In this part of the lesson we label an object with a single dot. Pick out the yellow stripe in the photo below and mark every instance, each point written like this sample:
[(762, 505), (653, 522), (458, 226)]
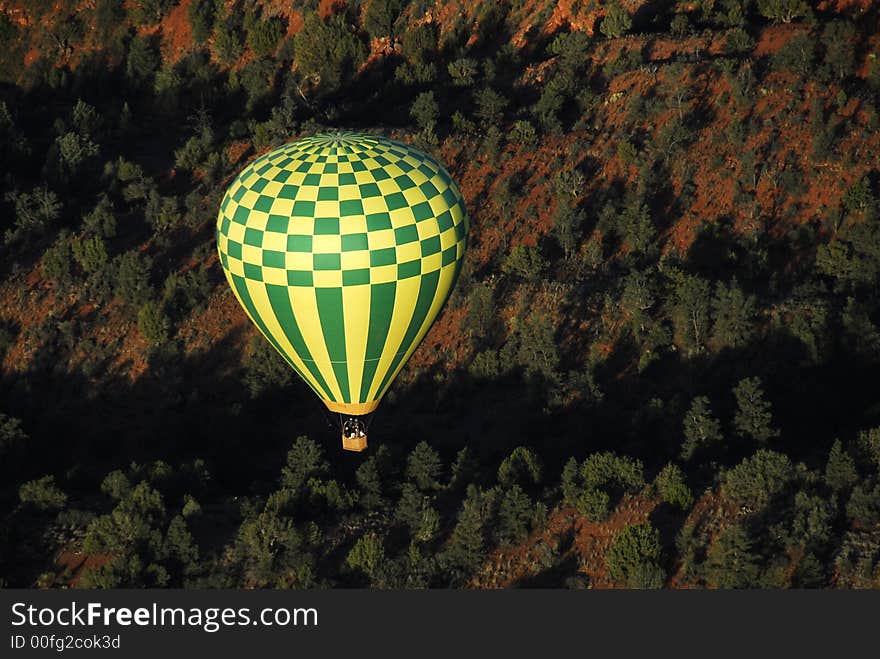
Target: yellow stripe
[(260, 298), (356, 303), (305, 310), (404, 307), (443, 286)]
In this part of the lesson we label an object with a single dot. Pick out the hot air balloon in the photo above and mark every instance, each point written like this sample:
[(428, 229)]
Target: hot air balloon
[(342, 249)]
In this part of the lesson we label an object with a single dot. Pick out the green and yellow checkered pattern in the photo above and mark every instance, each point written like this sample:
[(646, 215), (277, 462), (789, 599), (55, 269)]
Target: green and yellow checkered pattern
[(342, 248)]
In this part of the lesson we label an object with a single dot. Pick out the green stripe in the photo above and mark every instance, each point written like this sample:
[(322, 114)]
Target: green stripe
[(333, 327), (280, 300), (427, 291), (240, 284), (381, 310)]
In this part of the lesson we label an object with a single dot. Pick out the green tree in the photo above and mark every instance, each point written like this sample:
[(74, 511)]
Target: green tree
[(269, 543), (109, 15), (784, 11), (634, 547), (521, 467), (91, 254), (150, 12), (689, 311), (863, 506), (672, 487), (603, 478), (753, 416), (733, 316), (617, 21), (265, 368), (463, 72), (180, 545), (490, 106), (367, 555), (425, 111), (57, 261), (263, 35), (798, 55), (37, 210), (839, 39), (133, 278), (730, 561), (305, 460), (43, 494), (756, 480), (369, 480), (416, 510), (467, 545), (423, 466), (142, 61), (201, 15), (153, 324), (101, 221), (567, 222), (516, 513), (380, 17), (701, 428), (228, 42), (840, 470), (328, 51), (13, 440), (116, 485)]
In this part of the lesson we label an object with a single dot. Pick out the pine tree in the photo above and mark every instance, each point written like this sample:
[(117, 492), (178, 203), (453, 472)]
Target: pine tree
[(840, 470), (701, 428), (731, 562), (424, 467), (617, 21), (733, 315), (689, 311), (753, 415)]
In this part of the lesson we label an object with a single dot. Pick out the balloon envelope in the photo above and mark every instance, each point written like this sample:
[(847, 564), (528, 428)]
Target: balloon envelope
[(342, 248)]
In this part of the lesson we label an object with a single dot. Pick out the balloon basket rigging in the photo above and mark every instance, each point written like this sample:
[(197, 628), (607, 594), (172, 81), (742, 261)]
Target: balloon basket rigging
[(354, 432), (354, 443)]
